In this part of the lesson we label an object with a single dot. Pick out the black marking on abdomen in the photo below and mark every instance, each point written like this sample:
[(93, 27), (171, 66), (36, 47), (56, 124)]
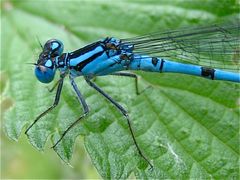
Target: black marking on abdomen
[(208, 72), (161, 65), (154, 61), (82, 64)]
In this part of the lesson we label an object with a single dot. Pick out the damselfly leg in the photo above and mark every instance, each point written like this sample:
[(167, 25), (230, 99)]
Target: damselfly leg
[(55, 103), (125, 114), (54, 86), (131, 75), (85, 111)]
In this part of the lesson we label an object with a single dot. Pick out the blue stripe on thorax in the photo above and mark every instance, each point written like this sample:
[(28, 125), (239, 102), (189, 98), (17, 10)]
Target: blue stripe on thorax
[(75, 61), (96, 65)]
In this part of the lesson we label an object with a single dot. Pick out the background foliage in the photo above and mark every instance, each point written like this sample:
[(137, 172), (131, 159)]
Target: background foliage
[(187, 126)]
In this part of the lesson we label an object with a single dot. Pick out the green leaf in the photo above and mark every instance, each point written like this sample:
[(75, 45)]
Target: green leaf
[(187, 126)]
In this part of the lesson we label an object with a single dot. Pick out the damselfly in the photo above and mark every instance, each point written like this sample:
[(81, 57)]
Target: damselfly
[(194, 51)]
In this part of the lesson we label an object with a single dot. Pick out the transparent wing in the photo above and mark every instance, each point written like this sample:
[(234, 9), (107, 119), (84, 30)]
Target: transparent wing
[(216, 46)]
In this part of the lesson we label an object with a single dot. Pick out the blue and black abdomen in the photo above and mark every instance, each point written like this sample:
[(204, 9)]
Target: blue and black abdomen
[(153, 64)]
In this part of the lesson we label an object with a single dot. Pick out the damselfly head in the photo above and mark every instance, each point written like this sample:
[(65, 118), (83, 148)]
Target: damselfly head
[(45, 67)]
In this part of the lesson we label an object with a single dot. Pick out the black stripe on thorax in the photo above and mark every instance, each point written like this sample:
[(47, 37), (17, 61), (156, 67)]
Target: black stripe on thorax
[(84, 50), (82, 64)]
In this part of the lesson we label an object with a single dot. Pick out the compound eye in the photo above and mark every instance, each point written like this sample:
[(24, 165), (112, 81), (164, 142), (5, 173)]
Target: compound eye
[(44, 74), (54, 47)]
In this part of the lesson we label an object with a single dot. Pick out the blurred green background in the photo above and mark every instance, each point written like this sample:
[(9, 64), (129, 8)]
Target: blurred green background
[(79, 23)]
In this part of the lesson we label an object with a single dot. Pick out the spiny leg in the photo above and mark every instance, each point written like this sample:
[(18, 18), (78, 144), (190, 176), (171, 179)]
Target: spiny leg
[(54, 86), (131, 75), (55, 103), (56, 83), (124, 112), (85, 110)]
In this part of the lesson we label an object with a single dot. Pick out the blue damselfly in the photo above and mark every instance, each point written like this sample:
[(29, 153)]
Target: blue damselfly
[(211, 52)]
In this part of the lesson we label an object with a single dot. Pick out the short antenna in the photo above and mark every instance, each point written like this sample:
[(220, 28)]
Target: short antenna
[(35, 64), (39, 42)]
